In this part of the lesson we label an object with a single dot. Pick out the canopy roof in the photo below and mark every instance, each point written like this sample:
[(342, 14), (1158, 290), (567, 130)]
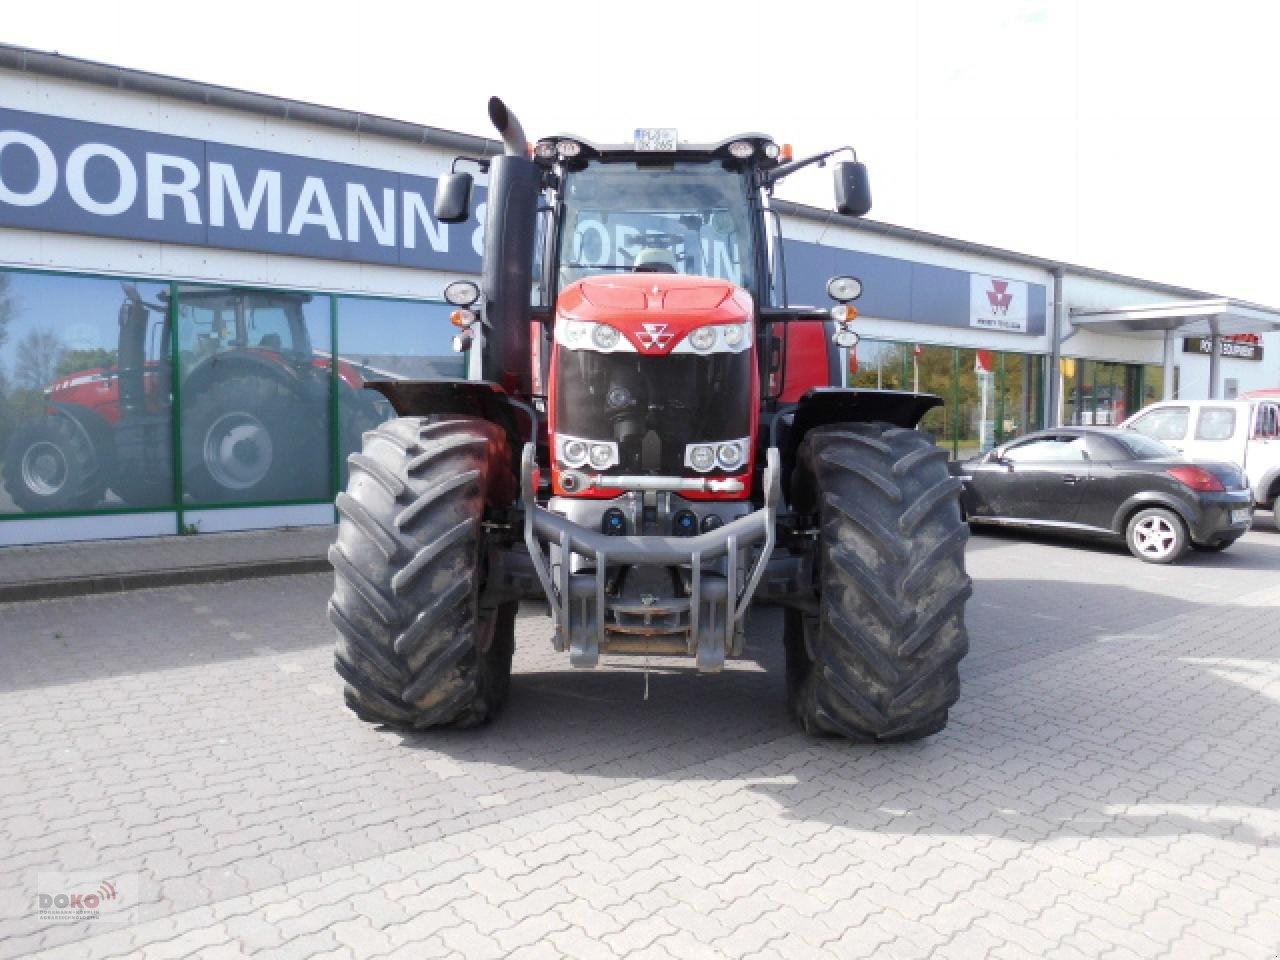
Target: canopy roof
[(1189, 318)]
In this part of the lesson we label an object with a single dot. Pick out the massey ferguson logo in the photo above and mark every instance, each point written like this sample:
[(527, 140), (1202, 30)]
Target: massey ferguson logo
[(655, 336), (1000, 297)]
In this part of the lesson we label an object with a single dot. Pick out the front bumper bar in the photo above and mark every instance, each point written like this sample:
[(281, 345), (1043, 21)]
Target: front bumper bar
[(587, 619)]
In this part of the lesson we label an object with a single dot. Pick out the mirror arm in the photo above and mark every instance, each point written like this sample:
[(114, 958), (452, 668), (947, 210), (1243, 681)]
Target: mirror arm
[(777, 173)]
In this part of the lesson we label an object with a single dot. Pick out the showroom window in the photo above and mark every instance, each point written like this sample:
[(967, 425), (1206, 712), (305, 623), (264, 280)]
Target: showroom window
[(85, 395), (387, 340), (92, 370), (988, 396), (254, 391), (1099, 393)]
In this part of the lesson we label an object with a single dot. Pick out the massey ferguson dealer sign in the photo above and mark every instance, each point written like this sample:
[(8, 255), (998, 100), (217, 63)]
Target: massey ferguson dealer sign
[(88, 178), (996, 304)]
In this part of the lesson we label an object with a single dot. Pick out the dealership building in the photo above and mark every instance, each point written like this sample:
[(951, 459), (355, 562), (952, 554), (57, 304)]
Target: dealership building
[(191, 274)]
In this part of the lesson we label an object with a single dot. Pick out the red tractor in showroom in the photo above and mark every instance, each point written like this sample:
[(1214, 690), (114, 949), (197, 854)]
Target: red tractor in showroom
[(250, 383), (650, 443)]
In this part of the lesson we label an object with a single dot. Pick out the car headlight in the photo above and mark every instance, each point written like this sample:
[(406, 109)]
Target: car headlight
[(605, 337), (733, 334), (704, 338), (573, 453), (702, 457)]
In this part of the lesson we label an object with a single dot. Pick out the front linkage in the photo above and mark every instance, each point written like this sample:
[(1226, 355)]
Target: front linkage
[(719, 570)]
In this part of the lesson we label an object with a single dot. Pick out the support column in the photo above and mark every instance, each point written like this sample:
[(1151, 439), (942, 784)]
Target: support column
[(1053, 376), (1166, 389), (1215, 360)]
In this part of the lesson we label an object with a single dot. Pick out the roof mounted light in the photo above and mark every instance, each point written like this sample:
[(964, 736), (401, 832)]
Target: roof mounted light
[(771, 151), (742, 149), (546, 150), (569, 148)]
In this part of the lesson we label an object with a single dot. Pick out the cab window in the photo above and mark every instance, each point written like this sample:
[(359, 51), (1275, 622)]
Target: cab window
[(1167, 423), (1216, 423)]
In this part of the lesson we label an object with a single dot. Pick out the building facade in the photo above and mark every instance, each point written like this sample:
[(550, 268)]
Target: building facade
[(195, 281)]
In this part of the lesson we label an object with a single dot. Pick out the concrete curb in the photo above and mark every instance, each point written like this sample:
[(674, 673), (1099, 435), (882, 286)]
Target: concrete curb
[(143, 579)]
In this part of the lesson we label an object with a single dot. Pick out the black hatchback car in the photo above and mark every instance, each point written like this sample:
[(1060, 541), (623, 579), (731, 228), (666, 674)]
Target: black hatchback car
[(1110, 483)]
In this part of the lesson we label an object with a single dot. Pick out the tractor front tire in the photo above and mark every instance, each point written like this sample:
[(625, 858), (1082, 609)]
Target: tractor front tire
[(878, 659), (414, 649), (51, 465)]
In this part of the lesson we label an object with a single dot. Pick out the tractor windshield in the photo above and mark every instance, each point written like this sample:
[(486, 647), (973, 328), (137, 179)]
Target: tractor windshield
[(692, 218)]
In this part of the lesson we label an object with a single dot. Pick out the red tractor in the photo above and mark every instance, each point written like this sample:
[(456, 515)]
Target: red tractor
[(250, 382), (686, 457)]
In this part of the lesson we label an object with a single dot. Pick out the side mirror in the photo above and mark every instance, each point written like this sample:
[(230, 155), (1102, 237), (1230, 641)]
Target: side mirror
[(853, 189), (453, 198)]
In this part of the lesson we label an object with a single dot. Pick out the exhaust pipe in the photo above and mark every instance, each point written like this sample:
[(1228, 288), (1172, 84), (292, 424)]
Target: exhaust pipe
[(508, 127)]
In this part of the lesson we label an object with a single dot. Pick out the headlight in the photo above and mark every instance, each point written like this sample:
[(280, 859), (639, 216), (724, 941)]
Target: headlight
[(586, 335), (601, 455), (719, 337), (704, 338), (605, 337), (729, 455), (702, 457), (573, 453)]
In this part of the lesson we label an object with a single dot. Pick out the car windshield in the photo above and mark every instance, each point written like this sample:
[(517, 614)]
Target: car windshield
[(1144, 448), (691, 218)]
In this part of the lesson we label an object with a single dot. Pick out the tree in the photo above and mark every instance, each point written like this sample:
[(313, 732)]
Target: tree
[(35, 361)]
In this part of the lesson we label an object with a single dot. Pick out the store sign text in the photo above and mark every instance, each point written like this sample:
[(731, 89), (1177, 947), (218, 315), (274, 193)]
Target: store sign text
[(1233, 348), (88, 178)]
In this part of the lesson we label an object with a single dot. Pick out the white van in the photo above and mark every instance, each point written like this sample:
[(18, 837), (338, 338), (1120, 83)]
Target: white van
[(1243, 432)]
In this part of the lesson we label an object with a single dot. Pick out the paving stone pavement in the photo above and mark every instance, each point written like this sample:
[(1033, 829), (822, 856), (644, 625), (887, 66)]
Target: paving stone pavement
[(1108, 786)]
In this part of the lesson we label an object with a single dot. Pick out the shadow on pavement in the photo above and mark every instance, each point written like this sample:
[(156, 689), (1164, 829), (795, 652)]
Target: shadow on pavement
[(1139, 735)]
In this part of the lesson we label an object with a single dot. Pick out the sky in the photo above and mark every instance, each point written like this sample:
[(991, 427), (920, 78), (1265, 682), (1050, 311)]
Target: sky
[(1133, 136)]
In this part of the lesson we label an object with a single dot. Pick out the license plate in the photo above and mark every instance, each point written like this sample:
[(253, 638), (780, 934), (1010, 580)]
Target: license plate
[(655, 139), (1240, 516)]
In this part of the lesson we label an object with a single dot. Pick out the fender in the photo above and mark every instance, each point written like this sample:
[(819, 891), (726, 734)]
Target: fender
[(826, 405), (472, 398), (239, 363), (1152, 498), (1269, 489)]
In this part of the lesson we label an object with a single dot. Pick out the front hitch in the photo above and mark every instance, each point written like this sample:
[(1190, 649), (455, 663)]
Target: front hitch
[(706, 624)]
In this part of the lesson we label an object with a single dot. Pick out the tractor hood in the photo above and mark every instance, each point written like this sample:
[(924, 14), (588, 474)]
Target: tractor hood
[(655, 312)]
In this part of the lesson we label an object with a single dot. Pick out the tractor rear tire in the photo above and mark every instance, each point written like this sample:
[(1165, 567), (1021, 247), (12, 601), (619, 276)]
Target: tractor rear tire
[(878, 660), (409, 562), (51, 465), (244, 439)]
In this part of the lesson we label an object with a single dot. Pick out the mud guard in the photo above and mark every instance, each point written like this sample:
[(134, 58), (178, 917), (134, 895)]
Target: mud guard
[(473, 398), (826, 405)]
